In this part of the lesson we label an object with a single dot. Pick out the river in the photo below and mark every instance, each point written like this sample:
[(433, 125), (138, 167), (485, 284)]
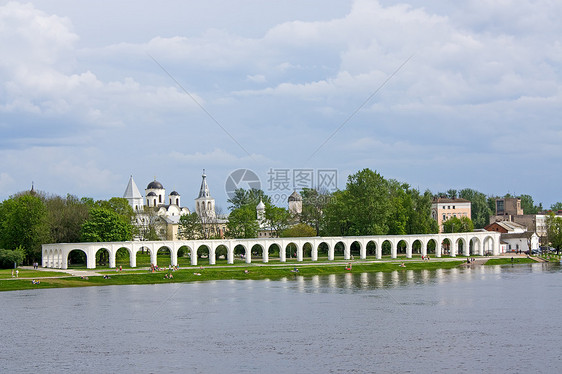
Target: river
[(497, 319)]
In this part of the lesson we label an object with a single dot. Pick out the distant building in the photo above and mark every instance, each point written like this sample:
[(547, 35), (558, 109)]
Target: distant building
[(443, 209), (514, 236)]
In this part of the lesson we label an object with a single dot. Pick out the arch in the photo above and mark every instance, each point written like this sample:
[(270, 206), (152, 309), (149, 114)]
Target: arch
[(444, 248), (356, 250), (76, 257), (102, 257), (123, 256), (430, 247), (221, 253), (202, 251), (461, 247), (183, 255), (475, 247), (257, 250), (163, 253), (274, 250), (417, 246), (372, 249), (323, 250), (402, 247), (488, 246), (386, 248), (307, 250), (341, 251), (292, 252), (241, 253), (143, 256)]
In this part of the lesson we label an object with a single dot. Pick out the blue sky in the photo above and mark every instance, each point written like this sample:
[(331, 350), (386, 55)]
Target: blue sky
[(83, 105)]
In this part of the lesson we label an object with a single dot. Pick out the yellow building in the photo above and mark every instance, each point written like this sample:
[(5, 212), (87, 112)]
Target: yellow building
[(444, 208)]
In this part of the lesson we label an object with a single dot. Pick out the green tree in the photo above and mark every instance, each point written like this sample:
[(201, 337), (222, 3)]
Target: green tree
[(190, 227), (66, 217), (23, 223), (118, 205), (244, 197), (313, 204), (242, 222), (10, 258), (298, 231), (277, 218), (554, 231), (455, 224), (419, 214), (556, 207), (105, 225), (480, 209)]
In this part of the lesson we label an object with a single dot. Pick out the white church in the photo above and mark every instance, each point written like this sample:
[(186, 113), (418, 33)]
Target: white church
[(154, 210)]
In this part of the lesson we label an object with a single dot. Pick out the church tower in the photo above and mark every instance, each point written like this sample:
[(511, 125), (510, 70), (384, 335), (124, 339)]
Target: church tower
[(295, 203), (205, 204), (260, 213), (155, 194), (133, 195)]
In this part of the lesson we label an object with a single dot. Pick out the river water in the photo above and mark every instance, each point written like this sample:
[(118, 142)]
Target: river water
[(481, 320)]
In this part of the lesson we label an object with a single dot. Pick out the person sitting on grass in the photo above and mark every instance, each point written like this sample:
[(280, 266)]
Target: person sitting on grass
[(246, 271), (295, 270)]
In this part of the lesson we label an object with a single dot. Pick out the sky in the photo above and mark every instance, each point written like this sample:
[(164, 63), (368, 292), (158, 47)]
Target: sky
[(439, 95)]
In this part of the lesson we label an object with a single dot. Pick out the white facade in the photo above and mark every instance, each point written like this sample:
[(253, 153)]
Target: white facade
[(482, 242), (204, 203)]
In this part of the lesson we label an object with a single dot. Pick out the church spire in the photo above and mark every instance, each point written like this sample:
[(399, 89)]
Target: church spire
[(204, 191)]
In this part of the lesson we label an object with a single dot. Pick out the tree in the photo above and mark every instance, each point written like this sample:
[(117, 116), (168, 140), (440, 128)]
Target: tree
[(556, 207), (242, 223), (299, 230), (277, 218), (10, 258), (554, 231), (313, 205), (480, 209), (23, 223), (66, 217), (104, 225), (455, 224), (244, 197), (419, 214), (190, 227)]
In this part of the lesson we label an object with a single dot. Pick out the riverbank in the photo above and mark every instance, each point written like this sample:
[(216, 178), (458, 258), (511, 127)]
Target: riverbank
[(48, 278)]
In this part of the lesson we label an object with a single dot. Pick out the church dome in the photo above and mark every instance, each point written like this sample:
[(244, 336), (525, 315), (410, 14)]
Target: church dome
[(174, 193), (151, 194), (155, 185), (295, 196), (261, 206)]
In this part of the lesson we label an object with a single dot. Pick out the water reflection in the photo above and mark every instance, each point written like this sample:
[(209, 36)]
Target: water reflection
[(475, 319)]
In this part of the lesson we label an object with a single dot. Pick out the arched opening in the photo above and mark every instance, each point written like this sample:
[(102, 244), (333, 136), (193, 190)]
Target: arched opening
[(291, 252), (184, 256), (445, 247), (202, 252), (339, 251), (323, 249), (355, 250), (474, 246), (459, 246), (487, 244), (307, 251), (240, 253), (123, 257), (386, 248), (257, 251), (163, 257), (416, 248), (401, 248), (221, 254), (102, 258), (371, 248), (143, 257), (431, 245), (273, 251), (77, 258)]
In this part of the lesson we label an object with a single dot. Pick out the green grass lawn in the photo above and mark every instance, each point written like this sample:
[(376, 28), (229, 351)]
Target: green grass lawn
[(505, 261), (218, 273), (25, 273)]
